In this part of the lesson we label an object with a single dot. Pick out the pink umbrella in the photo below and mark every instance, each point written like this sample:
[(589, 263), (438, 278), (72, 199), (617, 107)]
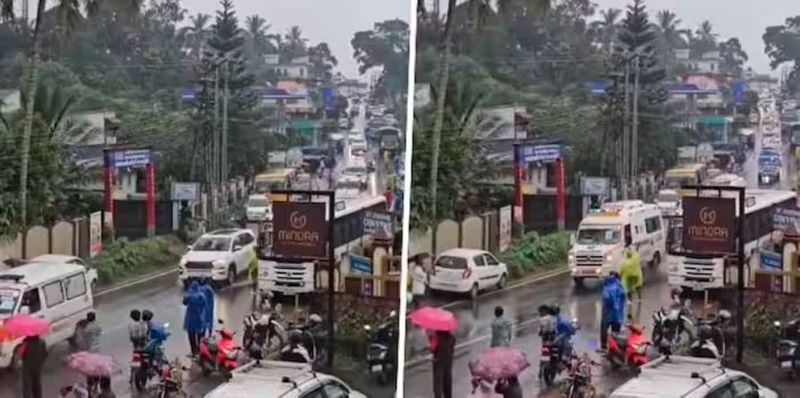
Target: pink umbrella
[(434, 319), (498, 363), (24, 325), (91, 364)]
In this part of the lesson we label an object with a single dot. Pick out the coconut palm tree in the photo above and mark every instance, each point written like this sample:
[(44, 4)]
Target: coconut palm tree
[(669, 35), (294, 44), (68, 10), (444, 77), (705, 40), (606, 28), (196, 34)]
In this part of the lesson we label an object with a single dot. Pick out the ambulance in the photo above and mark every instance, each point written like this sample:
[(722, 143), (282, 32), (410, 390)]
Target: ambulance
[(603, 235)]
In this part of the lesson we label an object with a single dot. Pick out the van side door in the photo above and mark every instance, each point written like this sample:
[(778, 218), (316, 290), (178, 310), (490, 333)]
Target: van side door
[(77, 299)]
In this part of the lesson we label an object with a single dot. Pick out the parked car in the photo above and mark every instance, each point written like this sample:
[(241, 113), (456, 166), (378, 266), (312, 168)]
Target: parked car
[(467, 271), (91, 273), (218, 256)]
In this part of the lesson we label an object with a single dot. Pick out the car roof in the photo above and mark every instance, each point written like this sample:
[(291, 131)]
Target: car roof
[(37, 273), (53, 258), (226, 232), (462, 252)]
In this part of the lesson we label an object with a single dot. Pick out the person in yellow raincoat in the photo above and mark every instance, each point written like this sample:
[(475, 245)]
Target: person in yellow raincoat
[(631, 274)]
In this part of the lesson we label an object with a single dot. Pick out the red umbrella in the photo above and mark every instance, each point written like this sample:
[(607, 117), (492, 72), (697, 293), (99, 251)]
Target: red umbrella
[(498, 363), (24, 325), (434, 319)]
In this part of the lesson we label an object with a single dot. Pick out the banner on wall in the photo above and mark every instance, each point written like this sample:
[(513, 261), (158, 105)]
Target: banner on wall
[(95, 233)]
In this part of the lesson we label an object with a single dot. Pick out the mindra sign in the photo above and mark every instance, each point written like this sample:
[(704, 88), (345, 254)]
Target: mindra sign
[(299, 229), (709, 225)]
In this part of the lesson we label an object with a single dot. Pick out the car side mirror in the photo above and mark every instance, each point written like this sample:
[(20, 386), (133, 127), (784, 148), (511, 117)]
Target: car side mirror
[(236, 248)]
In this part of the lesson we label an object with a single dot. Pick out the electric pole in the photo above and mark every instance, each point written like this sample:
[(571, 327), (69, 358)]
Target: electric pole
[(225, 96), (635, 140), (625, 146), (215, 142)]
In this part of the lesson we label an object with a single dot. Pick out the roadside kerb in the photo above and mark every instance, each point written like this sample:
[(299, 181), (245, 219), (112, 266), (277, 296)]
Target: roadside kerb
[(155, 276), (538, 278)]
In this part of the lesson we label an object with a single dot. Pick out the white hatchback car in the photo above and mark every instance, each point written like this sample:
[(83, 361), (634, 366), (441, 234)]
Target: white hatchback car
[(467, 271)]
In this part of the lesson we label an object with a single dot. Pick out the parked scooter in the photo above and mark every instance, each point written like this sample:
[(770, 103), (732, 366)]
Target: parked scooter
[(788, 352), (628, 351), (705, 346), (312, 337), (146, 363), (673, 326), (219, 353), (382, 349)]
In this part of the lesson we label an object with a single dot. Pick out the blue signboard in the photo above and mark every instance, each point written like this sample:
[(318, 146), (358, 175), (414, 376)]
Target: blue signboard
[(540, 153), (328, 97), (130, 158), (188, 94), (360, 265), (739, 89), (771, 260)]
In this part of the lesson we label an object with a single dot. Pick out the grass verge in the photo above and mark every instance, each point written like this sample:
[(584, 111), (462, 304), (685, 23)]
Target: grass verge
[(123, 260)]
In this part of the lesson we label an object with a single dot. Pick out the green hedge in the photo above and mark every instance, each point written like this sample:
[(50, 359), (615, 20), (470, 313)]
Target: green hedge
[(123, 259), (535, 253)]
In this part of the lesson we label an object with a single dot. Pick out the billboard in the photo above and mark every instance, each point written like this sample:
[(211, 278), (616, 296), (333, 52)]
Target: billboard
[(378, 224), (299, 229), (709, 225)]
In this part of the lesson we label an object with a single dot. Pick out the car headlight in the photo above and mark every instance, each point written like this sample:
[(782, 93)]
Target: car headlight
[(609, 258)]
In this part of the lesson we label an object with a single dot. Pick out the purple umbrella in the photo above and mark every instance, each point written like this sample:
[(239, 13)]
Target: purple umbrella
[(498, 363)]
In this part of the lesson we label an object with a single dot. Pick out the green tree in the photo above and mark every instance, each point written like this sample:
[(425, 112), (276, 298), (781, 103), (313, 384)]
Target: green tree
[(782, 45), (385, 46), (733, 57), (605, 30), (294, 45), (669, 38), (322, 62), (703, 41), (196, 35)]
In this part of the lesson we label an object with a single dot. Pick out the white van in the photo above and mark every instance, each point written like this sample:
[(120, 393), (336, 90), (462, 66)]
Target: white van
[(603, 236), (60, 293)]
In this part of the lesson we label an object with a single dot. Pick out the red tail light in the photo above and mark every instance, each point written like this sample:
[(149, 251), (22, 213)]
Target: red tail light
[(545, 350), (467, 273)]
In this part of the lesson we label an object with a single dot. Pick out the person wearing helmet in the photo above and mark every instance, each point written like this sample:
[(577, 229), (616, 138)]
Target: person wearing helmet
[(702, 348), (675, 297), (295, 351), (564, 331)]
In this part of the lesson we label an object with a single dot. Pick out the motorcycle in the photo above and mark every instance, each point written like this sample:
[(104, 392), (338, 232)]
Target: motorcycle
[(630, 350), (788, 352), (381, 349), (551, 360), (172, 380), (263, 336), (146, 363), (219, 353), (579, 379), (710, 342), (670, 326)]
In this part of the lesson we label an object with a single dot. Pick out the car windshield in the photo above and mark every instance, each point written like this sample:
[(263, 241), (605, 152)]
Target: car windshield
[(598, 236), (257, 202), (8, 301), (212, 244), (451, 262), (677, 182), (355, 170), (668, 197)]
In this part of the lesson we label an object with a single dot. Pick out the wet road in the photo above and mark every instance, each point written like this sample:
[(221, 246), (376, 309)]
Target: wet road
[(163, 296), (520, 306)]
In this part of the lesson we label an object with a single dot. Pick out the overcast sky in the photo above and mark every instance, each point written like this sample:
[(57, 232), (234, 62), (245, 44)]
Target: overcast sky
[(744, 19), (331, 21)]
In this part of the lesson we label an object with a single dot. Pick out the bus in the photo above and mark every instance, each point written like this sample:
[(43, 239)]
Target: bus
[(290, 277), (701, 271), (274, 179), (688, 174)]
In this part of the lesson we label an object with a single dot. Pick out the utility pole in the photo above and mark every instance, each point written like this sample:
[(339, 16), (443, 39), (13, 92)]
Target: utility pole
[(225, 96), (635, 140), (625, 146), (215, 142)]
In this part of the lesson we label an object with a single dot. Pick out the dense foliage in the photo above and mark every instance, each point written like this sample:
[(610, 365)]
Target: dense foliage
[(534, 253), (514, 53), (123, 259)]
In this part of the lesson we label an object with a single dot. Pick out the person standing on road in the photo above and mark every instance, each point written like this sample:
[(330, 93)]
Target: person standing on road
[(501, 329), (613, 308), (631, 274), (137, 330), (208, 311), (443, 349), (193, 319), (34, 353), (92, 332), (419, 284)]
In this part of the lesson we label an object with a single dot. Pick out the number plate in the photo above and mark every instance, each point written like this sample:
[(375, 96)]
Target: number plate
[(545, 359), (786, 364), (376, 368)]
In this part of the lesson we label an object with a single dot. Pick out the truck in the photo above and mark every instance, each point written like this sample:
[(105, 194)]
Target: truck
[(604, 235)]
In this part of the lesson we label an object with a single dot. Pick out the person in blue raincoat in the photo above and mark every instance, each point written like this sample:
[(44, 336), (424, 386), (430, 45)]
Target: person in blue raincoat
[(194, 318), (208, 313), (613, 307)]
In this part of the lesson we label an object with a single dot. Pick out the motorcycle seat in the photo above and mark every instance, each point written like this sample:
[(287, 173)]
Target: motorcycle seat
[(622, 341)]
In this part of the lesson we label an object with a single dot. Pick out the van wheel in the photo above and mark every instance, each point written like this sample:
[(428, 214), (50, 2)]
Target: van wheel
[(501, 284), (231, 275), (656, 261), (473, 292)]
